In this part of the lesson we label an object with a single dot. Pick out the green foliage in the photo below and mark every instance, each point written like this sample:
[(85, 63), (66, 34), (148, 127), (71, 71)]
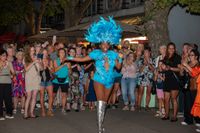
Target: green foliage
[(192, 6), (14, 11), (160, 4)]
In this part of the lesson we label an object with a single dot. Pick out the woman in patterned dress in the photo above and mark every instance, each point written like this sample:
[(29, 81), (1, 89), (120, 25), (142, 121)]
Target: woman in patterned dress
[(74, 92), (145, 78), (18, 81)]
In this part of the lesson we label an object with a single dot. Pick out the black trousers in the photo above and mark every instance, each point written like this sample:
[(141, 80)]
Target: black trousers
[(181, 101), (6, 97), (189, 98)]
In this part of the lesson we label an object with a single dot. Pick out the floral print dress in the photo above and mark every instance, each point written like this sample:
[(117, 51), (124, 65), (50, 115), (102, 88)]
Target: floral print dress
[(74, 85), (146, 76), (18, 82)]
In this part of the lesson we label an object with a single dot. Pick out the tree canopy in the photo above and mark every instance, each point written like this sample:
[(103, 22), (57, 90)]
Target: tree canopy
[(155, 21), (192, 6), (14, 11), (32, 11)]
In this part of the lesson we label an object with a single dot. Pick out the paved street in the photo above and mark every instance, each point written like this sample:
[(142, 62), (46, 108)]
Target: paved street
[(117, 121)]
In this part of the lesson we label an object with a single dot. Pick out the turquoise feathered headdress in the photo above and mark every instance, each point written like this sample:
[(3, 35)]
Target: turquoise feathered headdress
[(104, 31)]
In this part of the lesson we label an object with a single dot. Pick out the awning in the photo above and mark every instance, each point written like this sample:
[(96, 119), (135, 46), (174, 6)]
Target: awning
[(80, 30), (43, 37)]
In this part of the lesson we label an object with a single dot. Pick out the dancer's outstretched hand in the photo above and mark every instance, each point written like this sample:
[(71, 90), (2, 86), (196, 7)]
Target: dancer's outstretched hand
[(121, 55)]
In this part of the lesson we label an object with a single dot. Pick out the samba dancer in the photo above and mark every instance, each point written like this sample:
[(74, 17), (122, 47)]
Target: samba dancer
[(106, 33)]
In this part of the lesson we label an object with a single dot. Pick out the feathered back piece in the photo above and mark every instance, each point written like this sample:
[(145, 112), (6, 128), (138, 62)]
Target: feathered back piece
[(104, 31)]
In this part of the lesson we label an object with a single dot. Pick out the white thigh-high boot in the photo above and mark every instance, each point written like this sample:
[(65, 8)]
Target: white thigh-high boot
[(101, 107)]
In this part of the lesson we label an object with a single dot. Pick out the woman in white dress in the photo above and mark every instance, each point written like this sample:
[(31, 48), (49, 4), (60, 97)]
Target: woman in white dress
[(32, 81)]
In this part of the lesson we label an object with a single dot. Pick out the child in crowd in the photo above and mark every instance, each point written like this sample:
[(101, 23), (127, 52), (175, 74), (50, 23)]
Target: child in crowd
[(159, 78), (91, 96)]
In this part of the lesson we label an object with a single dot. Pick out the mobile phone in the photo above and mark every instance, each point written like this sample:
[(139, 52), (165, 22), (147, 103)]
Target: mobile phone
[(40, 56)]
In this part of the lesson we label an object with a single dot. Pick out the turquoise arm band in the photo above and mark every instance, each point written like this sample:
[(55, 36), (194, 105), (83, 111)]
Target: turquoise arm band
[(70, 58)]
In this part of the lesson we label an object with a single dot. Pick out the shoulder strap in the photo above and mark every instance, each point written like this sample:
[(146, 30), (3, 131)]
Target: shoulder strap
[(36, 68), (176, 77), (32, 64)]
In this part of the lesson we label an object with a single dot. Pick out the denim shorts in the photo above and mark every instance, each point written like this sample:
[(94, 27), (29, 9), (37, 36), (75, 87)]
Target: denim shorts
[(46, 84)]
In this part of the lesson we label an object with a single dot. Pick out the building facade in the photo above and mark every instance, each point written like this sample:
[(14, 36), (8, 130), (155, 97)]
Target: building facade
[(119, 9)]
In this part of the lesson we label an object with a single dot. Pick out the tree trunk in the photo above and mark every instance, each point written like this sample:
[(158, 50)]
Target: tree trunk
[(41, 13), (69, 14), (30, 18), (157, 27), (30, 22), (74, 12)]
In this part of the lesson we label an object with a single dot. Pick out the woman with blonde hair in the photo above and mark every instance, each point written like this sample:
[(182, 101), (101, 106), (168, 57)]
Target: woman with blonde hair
[(18, 82), (128, 82)]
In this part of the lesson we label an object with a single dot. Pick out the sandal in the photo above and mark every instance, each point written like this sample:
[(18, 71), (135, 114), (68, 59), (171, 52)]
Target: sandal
[(34, 116), (50, 113), (25, 117), (165, 118), (174, 119), (43, 114), (125, 108), (14, 111), (22, 111)]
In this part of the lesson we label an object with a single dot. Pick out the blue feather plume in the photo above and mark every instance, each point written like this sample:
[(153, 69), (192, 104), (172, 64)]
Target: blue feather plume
[(104, 31)]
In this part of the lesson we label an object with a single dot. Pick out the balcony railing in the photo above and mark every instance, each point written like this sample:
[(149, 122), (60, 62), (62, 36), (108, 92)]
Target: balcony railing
[(107, 6)]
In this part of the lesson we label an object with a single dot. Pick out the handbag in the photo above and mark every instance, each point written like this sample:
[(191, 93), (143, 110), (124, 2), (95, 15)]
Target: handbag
[(61, 80), (53, 76)]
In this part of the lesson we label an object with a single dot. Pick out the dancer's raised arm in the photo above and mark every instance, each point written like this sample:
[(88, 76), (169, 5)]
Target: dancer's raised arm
[(80, 59)]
